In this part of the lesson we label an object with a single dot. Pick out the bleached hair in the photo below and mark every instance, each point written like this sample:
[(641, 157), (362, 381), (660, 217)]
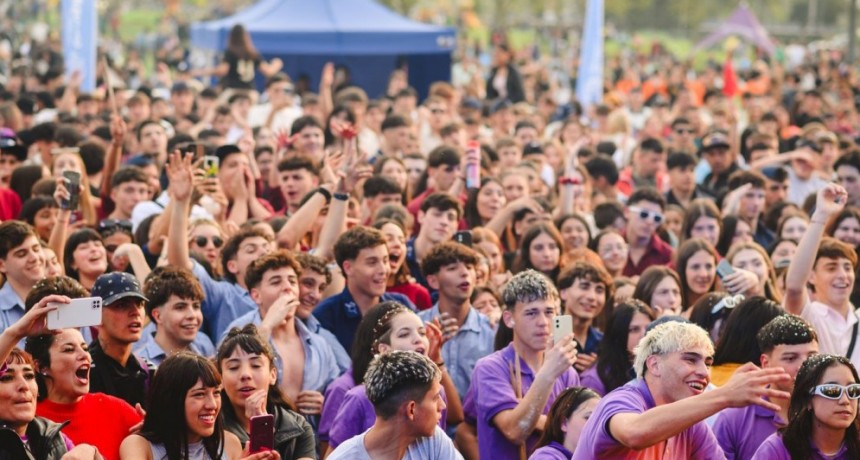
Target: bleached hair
[(392, 371), (528, 286), (670, 337)]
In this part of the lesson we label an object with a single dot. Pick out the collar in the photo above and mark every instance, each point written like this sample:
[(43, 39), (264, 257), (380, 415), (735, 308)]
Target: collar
[(349, 305), (153, 349), (641, 387), (312, 323), (509, 354), (9, 298)]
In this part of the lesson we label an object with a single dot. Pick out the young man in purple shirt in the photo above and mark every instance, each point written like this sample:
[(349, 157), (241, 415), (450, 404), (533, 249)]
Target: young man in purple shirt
[(786, 342), (661, 414), (516, 385)]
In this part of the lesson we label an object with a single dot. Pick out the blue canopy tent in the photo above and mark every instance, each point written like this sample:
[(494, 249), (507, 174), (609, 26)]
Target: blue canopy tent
[(362, 35)]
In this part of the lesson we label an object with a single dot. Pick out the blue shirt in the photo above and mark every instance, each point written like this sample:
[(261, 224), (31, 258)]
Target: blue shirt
[(592, 341), (415, 269), (11, 308), (473, 341), (340, 314), (148, 348), (223, 302), (320, 364), (344, 362)]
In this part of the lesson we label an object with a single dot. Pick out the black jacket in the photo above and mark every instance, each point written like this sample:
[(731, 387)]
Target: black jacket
[(516, 92), (294, 437), (44, 442)]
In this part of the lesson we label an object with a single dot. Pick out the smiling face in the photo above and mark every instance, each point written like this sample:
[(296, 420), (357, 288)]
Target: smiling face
[(311, 287), (544, 253), (574, 233), (584, 299), (211, 236), (848, 231), (494, 255), (613, 250), (179, 318), (407, 333), (202, 405), (681, 374), (833, 280), (90, 258), (368, 273), (243, 374), (68, 377), (838, 414), (700, 272), (25, 263), (794, 228), (18, 392)]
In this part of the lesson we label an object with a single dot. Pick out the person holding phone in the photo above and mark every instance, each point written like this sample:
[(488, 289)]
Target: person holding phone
[(249, 376), (184, 420), (63, 364), (822, 414), (527, 375)]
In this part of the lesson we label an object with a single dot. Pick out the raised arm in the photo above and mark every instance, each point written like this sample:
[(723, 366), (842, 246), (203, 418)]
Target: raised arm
[(34, 322), (272, 67), (118, 130), (60, 232), (326, 82), (501, 220), (747, 386), (355, 170), (179, 173), (830, 200)]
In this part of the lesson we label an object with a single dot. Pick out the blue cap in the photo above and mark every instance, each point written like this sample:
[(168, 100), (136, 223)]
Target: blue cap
[(115, 286)]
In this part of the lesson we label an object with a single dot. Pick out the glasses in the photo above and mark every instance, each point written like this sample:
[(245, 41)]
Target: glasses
[(109, 225), (202, 241), (835, 392), (646, 214)]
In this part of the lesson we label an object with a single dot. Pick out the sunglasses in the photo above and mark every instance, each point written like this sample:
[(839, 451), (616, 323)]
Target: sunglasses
[(202, 241), (835, 392), (646, 214)]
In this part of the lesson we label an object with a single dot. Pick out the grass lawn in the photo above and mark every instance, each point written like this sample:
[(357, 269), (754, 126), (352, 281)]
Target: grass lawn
[(135, 22)]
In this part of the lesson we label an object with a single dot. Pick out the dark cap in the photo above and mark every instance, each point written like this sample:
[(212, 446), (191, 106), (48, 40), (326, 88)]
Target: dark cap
[(224, 151), (680, 160), (775, 173), (180, 87), (11, 146), (500, 105), (470, 103), (715, 139), (115, 286), (532, 148)]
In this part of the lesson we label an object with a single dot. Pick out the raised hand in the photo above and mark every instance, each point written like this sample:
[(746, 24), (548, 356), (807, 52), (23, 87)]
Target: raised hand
[(118, 129), (434, 335), (559, 358), (327, 77), (256, 403), (35, 321), (749, 385), (181, 176), (830, 200)]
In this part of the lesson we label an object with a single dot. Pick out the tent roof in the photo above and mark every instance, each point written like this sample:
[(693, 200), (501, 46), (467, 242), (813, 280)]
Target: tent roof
[(326, 26), (743, 23)]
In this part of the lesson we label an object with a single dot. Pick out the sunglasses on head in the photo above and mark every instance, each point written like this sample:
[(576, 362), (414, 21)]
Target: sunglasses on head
[(834, 391), (115, 224), (646, 214), (202, 241)]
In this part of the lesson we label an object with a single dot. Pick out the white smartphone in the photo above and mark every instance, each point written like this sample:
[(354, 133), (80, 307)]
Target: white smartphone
[(562, 326), (78, 313)]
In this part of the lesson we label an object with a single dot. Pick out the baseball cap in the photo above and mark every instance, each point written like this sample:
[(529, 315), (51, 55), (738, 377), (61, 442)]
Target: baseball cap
[(715, 139), (115, 286), (500, 105), (11, 146), (775, 173)]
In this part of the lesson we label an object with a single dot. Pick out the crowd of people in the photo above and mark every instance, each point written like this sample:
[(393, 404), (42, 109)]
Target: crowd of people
[(385, 276)]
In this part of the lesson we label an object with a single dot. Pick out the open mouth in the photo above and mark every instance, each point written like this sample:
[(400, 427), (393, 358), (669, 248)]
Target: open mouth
[(135, 326), (420, 350), (247, 390), (698, 387), (207, 419), (189, 327), (465, 286), (83, 374)]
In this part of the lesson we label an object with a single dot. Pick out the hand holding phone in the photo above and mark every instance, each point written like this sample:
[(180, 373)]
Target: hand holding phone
[(73, 185), (464, 237), (262, 433), (724, 269), (562, 326), (82, 312)]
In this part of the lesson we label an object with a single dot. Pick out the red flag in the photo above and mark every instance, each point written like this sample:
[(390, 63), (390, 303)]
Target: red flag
[(730, 80)]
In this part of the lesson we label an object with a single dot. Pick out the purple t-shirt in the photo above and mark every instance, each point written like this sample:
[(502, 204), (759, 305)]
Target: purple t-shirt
[(774, 449), (696, 442), (494, 393), (356, 415), (551, 451), (334, 395), (741, 430), (470, 412), (590, 379)]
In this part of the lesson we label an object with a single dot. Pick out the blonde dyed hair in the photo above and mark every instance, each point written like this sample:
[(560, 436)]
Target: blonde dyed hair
[(670, 337)]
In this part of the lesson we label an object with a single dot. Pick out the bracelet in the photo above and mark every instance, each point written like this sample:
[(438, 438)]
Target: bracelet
[(325, 193), (568, 181), (340, 196)]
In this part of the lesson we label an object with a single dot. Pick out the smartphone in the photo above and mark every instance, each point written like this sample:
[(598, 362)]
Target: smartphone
[(464, 237), (210, 166), (195, 150), (73, 184), (724, 269), (562, 326), (82, 312), (473, 167), (262, 433)]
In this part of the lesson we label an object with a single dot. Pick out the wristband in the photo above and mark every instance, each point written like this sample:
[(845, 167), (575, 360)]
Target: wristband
[(568, 181), (340, 196), (325, 193)]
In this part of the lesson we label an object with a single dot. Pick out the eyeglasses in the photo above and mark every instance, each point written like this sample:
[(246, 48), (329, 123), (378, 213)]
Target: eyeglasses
[(834, 392), (646, 214), (202, 241), (108, 225)]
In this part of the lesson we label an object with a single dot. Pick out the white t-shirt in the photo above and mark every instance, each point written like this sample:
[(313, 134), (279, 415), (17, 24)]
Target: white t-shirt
[(799, 189), (834, 331), (437, 447)]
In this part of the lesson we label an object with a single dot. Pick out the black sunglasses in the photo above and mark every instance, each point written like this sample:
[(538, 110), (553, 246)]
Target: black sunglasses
[(115, 224), (202, 241)]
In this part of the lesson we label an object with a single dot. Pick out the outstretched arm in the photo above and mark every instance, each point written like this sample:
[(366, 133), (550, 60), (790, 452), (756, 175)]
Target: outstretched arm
[(179, 172)]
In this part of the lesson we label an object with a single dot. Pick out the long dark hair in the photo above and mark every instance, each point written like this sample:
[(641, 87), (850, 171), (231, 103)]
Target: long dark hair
[(524, 261), (737, 343), (567, 402), (240, 44), (697, 209), (248, 340), (470, 210), (374, 327), (79, 237), (795, 435), (685, 252), (165, 421), (651, 277), (727, 234), (613, 361)]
